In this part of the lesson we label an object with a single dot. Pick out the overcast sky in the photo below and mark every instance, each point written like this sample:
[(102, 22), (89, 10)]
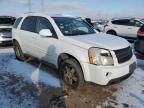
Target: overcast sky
[(88, 8)]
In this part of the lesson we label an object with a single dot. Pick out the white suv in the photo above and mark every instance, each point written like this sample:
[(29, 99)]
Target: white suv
[(74, 48), (126, 27)]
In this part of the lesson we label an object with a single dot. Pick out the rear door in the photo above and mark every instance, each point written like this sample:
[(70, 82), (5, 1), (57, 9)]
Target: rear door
[(28, 34), (133, 28)]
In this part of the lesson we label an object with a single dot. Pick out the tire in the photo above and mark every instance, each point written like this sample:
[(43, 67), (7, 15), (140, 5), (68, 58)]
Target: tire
[(18, 52), (112, 32), (71, 73)]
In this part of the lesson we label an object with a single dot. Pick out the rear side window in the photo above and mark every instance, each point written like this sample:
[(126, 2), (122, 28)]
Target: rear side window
[(17, 22), (29, 24), (121, 22)]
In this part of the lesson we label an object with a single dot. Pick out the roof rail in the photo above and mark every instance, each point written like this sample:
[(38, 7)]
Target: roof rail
[(28, 12), (64, 15), (123, 18)]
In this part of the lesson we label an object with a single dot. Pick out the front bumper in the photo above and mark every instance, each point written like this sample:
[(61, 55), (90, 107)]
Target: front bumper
[(104, 75), (5, 40), (116, 80)]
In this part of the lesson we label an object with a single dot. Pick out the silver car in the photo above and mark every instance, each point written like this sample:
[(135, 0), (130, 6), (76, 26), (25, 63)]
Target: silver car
[(6, 23)]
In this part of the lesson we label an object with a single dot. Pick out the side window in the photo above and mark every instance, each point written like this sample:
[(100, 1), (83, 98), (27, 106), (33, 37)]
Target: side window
[(17, 22), (43, 23), (135, 23), (121, 22), (29, 24), (116, 22)]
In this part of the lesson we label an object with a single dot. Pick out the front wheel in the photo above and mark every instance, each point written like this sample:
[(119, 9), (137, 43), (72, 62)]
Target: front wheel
[(18, 52), (71, 73)]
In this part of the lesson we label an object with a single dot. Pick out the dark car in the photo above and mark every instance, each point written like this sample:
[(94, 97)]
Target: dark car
[(139, 44)]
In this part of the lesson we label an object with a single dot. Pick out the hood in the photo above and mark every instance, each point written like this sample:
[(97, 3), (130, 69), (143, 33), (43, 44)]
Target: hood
[(100, 40)]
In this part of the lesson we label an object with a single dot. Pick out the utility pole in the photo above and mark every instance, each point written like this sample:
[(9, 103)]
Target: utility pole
[(42, 6), (29, 5)]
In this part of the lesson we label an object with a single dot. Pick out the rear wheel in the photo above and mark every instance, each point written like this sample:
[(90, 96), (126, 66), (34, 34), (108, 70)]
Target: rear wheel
[(18, 52), (71, 73)]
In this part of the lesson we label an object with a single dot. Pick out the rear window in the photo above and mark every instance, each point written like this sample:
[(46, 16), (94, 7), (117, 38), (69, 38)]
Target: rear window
[(4, 20), (17, 22), (121, 22)]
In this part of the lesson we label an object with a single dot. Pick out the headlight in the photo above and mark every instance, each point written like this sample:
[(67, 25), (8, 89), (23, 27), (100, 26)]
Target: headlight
[(100, 56)]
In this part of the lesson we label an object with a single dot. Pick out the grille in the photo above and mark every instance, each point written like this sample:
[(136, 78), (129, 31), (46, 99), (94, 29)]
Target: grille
[(124, 55), (5, 29)]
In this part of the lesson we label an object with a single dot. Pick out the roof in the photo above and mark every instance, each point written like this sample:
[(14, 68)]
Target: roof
[(125, 18), (43, 14), (63, 15)]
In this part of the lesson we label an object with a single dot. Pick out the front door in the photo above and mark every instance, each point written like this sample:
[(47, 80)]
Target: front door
[(46, 45)]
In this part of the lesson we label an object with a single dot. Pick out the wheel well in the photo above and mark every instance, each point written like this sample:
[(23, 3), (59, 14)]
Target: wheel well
[(111, 31), (98, 30), (14, 40), (65, 56)]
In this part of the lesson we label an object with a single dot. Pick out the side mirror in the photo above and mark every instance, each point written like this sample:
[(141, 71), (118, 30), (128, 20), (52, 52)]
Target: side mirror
[(45, 33)]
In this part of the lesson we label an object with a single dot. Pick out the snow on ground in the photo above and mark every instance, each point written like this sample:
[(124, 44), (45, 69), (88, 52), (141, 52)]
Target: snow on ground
[(130, 93), (19, 82), (25, 70), (18, 93), (32, 73), (13, 93)]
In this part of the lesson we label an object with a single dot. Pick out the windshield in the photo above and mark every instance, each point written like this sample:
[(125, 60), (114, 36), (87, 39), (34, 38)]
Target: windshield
[(73, 26), (7, 21)]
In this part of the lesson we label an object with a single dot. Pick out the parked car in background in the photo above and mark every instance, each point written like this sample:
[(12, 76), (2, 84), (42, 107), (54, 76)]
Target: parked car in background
[(74, 48), (139, 44), (6, 23), (99, 25), (142, 20), (126, 27)]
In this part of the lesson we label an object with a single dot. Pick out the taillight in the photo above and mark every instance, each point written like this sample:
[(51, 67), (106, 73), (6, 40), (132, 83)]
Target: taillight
[(141, 31)]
